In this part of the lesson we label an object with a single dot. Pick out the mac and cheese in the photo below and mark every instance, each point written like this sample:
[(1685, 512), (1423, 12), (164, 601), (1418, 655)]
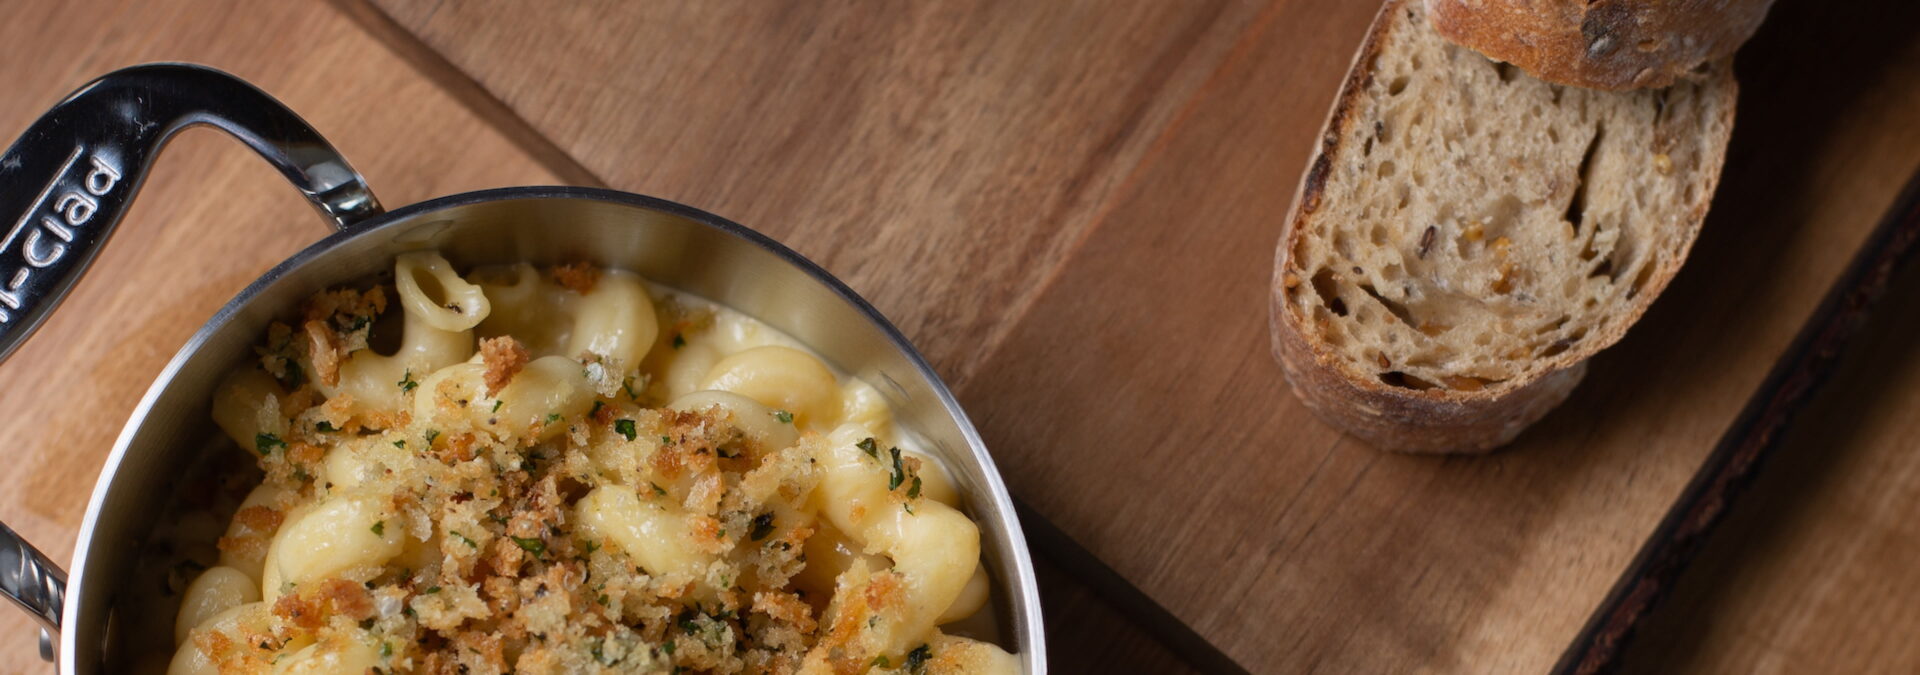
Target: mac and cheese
[(569, 471)]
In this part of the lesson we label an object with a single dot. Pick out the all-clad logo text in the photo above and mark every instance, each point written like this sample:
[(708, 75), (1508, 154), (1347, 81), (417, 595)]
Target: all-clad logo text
[(68, 201)]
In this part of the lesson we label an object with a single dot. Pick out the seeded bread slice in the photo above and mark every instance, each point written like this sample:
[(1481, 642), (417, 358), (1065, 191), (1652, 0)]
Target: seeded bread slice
[(1604, 44), (1467, 235)]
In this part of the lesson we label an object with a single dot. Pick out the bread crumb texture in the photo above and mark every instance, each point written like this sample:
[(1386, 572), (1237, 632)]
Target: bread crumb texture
[(1471, 228)]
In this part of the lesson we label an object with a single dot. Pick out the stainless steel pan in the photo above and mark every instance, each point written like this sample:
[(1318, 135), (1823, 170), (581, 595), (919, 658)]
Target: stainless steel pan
[(65, 184)]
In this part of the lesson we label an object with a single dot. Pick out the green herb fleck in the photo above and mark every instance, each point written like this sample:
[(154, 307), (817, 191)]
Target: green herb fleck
[(265, 443), (496, 404), (625, 428), (400, 443), (386, 650), (553, 417), (913, 491), (899, 472), (917, 659), (379, 529), (590, 545), (531, 545), (762, 526), (666, 441), (667, 648), (292, 376), (627, 385), (464, 539), (432, 434), (881, 662), (679, 341), (430, 590), (868, 446), (784, 416), (325, 426), (657, 489), (406, 381)]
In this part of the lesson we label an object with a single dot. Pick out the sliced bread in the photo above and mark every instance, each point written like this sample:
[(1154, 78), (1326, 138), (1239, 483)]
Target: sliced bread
[(1466, 235), (1604, 44)]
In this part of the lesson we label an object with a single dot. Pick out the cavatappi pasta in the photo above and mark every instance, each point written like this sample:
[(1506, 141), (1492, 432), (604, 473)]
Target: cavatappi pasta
[(565, 470)]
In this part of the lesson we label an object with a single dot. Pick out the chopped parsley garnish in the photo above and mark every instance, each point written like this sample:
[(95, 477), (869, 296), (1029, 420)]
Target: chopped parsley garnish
[(658, 490), (784, 416), (432, 434), (531, 545), (265, 442), (881, 662), (386, 650), (679, 341), (913, 491), (400, 443), (325, 426), (496, 405), (379, 528), (667, 648), (464, 539), (553, 417), (625, 428), (627, 384), (430, 590), (762, 526), (899, 472), (666, 441), (917, 659), (590, 545), (867, 445), (406, 381), (292, 376)]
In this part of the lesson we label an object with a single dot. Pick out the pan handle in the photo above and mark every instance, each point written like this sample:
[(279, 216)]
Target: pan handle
[(67, 181), (34, 583)]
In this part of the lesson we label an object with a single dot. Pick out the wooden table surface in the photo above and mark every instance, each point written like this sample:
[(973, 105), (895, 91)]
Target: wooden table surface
[(1070, 206)]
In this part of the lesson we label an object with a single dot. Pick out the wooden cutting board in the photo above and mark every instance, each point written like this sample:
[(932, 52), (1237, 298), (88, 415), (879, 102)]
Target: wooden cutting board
[(1091, 273), (1071, 206)]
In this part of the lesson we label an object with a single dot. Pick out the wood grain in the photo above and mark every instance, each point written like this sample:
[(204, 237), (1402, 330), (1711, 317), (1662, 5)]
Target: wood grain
[(1071, 207), (1386, 563), (1125, 385), (211, 218), (1813, 569), (1088, 635), (941, 158)]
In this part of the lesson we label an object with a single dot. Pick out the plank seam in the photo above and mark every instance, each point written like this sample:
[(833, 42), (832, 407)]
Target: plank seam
[(467, 91)]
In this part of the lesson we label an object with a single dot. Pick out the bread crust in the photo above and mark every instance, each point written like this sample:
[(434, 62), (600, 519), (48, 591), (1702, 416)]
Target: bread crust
[(1438, 420), (1600, 44)]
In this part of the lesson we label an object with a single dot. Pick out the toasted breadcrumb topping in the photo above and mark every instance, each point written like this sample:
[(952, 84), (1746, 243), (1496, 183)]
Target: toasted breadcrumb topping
[(578, 277), (504, 357), (496, 574)]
